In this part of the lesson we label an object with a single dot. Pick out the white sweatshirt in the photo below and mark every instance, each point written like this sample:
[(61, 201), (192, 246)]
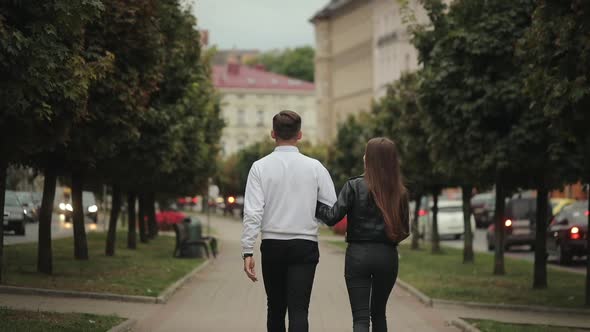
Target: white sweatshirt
[(281, 195)]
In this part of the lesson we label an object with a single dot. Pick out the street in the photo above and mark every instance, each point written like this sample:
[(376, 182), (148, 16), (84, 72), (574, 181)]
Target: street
[(59, 229), (519, 252)]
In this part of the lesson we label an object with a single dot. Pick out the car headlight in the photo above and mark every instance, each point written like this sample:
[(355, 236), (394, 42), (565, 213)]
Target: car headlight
[(62, 206), (92, 208), (69, 207)]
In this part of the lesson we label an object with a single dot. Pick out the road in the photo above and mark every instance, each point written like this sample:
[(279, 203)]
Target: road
[(59, 229), (520, 252)]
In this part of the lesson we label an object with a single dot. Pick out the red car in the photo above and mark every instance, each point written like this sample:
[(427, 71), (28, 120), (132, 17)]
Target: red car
[(340, 227), (568, 232), (166, 219)]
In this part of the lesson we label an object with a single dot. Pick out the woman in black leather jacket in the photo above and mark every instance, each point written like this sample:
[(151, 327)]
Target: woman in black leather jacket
[(376, 206)]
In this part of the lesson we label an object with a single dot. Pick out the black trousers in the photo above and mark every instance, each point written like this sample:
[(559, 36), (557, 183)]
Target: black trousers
[(288, 269), (370, 272)]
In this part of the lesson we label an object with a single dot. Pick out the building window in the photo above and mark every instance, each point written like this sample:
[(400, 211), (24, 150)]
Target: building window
[(407, 62), (241, 118), (260, 118)]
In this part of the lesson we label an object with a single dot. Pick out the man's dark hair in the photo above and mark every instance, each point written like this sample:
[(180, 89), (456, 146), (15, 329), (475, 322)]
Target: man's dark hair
[(286, 125)]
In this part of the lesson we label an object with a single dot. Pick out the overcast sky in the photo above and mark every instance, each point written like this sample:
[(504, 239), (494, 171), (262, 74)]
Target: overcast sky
[(257, 24)]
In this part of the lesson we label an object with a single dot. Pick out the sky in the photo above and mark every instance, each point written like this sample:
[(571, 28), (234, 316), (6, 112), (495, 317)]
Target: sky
[(257, 24)]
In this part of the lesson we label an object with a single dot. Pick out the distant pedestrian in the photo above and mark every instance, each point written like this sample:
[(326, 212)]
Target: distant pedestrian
[(376, 206), (280, 203)]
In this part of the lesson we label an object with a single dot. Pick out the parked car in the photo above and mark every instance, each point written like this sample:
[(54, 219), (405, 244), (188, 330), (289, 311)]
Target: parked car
[(449, 220), (519, 223), (568, 232), (165, 219), (483, 206), (557, 204), (30, 207), (14, 218), (341, 227)]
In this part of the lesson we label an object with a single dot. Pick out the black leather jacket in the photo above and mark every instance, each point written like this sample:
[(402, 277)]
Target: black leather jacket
[(365, 221)]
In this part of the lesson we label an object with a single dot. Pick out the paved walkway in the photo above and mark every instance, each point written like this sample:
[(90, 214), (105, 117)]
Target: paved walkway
[(221, 299)]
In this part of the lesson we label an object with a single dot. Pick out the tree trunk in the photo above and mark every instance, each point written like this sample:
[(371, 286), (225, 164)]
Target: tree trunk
[(588, 251), (131, 221), (80, 244), (3, 167), (435, 237), (115, 210), (151, 211), (468, 256), (44, 250), (540, 276), (143, 237), (499, 229), (415, 224)]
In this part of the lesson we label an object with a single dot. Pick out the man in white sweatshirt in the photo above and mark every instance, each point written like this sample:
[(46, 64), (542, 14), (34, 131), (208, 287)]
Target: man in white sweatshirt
[(281, 195)]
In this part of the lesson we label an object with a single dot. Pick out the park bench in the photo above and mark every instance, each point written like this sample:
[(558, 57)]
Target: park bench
[(183, 241)]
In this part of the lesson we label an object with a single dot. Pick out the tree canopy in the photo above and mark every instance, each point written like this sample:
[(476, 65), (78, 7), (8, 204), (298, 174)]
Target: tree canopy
[(293, 62)]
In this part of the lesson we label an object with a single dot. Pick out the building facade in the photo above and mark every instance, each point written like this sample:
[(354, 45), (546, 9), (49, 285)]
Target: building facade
[(250, 99), (361, 47), (344, 62), (393, 52)]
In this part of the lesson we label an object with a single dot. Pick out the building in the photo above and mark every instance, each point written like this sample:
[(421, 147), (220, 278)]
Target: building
[(252, 96), (223, 57), (344, 61), (361, 47), (393, 52)]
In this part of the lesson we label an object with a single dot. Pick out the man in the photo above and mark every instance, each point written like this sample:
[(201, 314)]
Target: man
[(281, 195)]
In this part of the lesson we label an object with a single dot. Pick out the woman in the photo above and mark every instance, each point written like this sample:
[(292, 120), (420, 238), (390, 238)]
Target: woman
[(376, 206)]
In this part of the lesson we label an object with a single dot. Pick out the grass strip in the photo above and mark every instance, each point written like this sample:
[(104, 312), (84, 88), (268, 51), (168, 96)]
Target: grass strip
[(146, 271), (37, 321), (444, 276)]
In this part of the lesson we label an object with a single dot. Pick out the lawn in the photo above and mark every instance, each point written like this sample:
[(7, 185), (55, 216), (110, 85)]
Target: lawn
[(444, 276), (146, 271), (494, 326), (35, 321)]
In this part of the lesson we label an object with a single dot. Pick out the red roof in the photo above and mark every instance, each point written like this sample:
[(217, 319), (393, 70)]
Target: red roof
[(244, 77)]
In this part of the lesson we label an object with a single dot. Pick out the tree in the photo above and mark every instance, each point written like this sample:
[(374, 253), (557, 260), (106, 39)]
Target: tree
[(472, 90), (399, 116), (296, 62), (45, 78), (345, 156), (556, 49)]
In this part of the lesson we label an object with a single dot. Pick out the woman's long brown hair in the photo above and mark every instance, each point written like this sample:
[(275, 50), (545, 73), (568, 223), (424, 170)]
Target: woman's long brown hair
[(384, 179)]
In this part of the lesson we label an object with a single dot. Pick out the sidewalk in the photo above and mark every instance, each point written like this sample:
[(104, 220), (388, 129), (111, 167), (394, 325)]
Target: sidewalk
[(221, 298)]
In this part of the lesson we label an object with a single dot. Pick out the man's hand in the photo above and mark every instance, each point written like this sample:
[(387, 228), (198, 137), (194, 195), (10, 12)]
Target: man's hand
[(249, 268)]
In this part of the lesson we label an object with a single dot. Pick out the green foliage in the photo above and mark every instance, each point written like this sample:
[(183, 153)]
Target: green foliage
[(296, 62), (44, 73), (346, 155), (471, 85), (556, 50), (400, 117)]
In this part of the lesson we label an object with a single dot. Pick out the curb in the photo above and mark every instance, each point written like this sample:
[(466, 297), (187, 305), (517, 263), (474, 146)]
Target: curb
[(416, 293), (513, 307), (168, 292), (160, 299), (124, 327), (464, 326)]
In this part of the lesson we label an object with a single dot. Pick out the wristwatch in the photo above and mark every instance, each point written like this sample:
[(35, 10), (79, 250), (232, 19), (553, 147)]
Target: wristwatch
[(247, 255)]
